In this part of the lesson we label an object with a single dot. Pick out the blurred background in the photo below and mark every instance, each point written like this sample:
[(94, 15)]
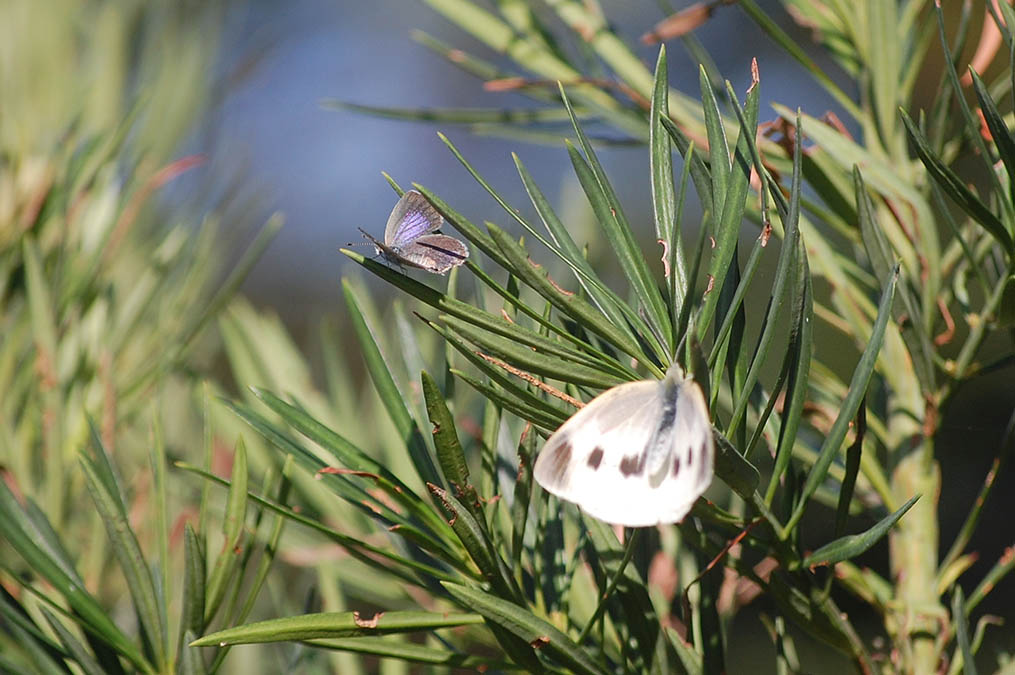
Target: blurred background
[(273, 126)]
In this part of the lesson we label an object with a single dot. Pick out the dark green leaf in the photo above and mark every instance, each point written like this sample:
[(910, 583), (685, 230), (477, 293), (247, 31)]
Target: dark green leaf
[(617, 229), (857, 390), (475, 537), (968, 663), (523, 356), (566, 301), (955, 188), (132, 563), (663, 197), (734, 469), (537, 632), (226, 563), (334, 625), (76, 649), (882, 258), (412, 652), (384, 382), (853, 545), (449, 448)]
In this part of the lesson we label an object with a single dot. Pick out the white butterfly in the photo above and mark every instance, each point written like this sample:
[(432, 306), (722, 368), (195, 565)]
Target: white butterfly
[(638, 454)]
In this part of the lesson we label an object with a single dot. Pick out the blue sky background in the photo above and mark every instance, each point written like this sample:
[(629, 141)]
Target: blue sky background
[(272, 136)]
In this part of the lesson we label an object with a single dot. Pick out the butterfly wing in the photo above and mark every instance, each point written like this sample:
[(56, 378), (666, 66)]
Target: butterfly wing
[(637, 455), (689, 470), (412, 217), (435, 253)]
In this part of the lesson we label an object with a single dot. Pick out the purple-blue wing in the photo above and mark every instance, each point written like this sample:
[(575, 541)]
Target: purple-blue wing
[(412, 217), (435, 253)]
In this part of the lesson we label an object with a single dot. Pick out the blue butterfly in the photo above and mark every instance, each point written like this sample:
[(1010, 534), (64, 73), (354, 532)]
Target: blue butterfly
[(409, 238)]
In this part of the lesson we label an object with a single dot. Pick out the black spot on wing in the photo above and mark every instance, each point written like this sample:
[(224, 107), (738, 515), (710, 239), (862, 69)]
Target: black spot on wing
[(701, 465), (560, 457), (633, 465), (676, 466), (595, 458)]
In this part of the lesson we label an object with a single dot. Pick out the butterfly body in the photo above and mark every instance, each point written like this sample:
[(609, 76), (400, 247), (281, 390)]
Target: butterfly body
[(411, 240), (639, 454)]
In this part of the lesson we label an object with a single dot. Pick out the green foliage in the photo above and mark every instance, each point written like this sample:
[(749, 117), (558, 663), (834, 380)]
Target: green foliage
[(450, 553), (875, 252), (103, 299)]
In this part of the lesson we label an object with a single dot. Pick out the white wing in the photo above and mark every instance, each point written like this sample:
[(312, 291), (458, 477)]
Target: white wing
[(639, 454)]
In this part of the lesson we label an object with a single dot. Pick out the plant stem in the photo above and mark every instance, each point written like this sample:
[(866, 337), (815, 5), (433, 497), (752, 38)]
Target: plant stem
[(916, 615)]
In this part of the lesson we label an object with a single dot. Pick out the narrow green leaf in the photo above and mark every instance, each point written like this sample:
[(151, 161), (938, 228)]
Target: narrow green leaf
[(680, 287), (105, 470), (510, 401), (853, 545), (78, 652), (633, 608), (663, 197), (384, 382), (160, 573), (968, 663), (566, 301), (727, 229), (954, 187), (449, 449), (806, 613), (512, 116), (734, 469), (718, 145), (853, 455), (39, 653), (487, 321), (700, 172), (972, 122), (190, 662), (344, 485), (801, 348), (14, 615), (41, 306), (525, 357), (192, 611), (881, 255), (884, 45), (522, 496), (537, 632), (475, 538), (362, 551), (14, 529), (412, 652), (857, 390), (270, 545), (128, 554), (995, 123), (689, 658), (780, 293), (208, 447), (335, 625), (37, 526), (615, 225), (345, 452), (794, 48), (228, 558), (564, 246)]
